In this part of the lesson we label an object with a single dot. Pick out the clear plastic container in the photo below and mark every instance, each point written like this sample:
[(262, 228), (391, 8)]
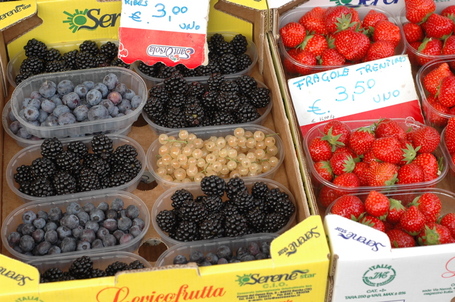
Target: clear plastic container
[(163, 202), (447, 153), (28, 154), (222, 131), (295, 14), (25, 142), (251, 52), (126, 76), (12, 221), (405, 123), (211, 246), (100, 261), (264, 112)]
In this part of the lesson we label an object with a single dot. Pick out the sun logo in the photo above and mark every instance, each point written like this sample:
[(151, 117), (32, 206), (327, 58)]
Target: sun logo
[(242, 280), (76, 20), (341, 2)]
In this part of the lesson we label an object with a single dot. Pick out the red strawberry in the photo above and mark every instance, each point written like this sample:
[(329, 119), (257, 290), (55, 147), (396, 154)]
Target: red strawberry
[(369, 157), (327, 195), (413, 32), (348, 206), (342, 162), (379, 50), (319, 149), (331, 57), (449, 135), (449, 11), (432, 79), (373, 222), (339, 18), (315, 43), (313, 20), (427, 138), (418, 10), (351, 44), (387, 31), (410, 174), (389, 127), (338, 129), (430, 205), (377, 204), (435, 111), (428, 49), (361, 169), (372, 17), (435, 234), (396, 209), (346, 182), (437, 26), (429, 164), (387, 149), (400, 239), (382, 174), (305, 61), (292, 34), (448, 48), (448, 220), (324, 170), (446, 93), (412, 221), (289, 63), (361, 139)]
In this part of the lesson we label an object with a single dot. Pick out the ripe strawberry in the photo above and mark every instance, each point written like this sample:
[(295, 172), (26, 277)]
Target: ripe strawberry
[(313, 20), (346, 182), (396, 209), (430, 205), (448, 220), (331, 57), (382, 174), (400, 239), (436, 112), (389, 127), (338, 129), (326, 196), (449, 11), (418, 10), (361, 169), (377, 204), (387, 31), (339, 18), (319, 149), (387, 149), (449, 135), (432, 79), (434, 234), (373, 222), (289, 63), (348, 206), (429, 164), (379, 50), (437, 26), (351, 44), (341, 162), (413, 32), (410, 174), (361, 139), (369, 157), (446, 93), (315, 43), (412, 221), (372, 17), (292, 34), (428, 49), (324, 170), (448, 48), (427, 138), (304, 61)]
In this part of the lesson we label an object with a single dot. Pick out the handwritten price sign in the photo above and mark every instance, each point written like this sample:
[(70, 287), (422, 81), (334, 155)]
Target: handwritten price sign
[(381, 88), (172, 31)]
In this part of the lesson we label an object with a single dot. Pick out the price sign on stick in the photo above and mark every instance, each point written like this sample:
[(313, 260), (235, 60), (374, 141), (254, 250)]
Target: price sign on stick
[(169, 31), (378, 89)]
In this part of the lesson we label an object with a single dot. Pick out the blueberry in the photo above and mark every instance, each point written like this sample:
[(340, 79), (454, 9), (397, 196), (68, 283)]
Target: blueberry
[(83, 217), (136, 102), (64, 87), (88, 207), (97, 112), (196, 256), (117, 204), (51, 121), (120, 88), (242, 251), (31, 113), (108, 104), (43, 248), (110, 80), (42, 214), (35, 94), (54, 250), (19, 227), (211, 257), (71, 99), (51, 236), (38, 235), (224, 251), (97, 215), (39, 223), (42, 117), (88, 235), (180, 259), (83, 246), (26, 243), (11, 116), (25, 102), (102, 88), (89, 84), (48, 89), (50, 225), (14, 238), (222, 261), (81, 90), (128, 94), (34, 103), (126, 238), (260, 256), (81, 113), (27, 229), (77, 231), (109, 240), (111, 214), (68, 244), (71, 221), (253, 248), (139, 222), (103, 206), (56, 100), (47, 106), (135, 230), (247, 257), (94, 97), (66, 118), (60, 109), (132, 211), (124, 107), (102, 232), (115, 112), (118, 234), (97, 243), (205, 263), (265, 247), (110, 224), (92, 225), (73, 208), (63, 232), (115, 97), (124, 223), (28, 216), (15, 126)]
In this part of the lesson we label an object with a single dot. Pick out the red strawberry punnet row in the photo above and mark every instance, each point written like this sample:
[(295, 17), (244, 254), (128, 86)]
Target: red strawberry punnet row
[(448, 141), (407, 221), (336, 36)]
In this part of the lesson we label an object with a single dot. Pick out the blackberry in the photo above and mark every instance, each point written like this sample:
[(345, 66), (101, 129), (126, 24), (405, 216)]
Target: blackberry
[(239, 44), (235, 185), (78, 148), (87, 180), (192, 211), (55, 66), (110, 50), (64, 183), (124, 154), (212, 227), (68, 161), (166, 220), (136, 264), (186, 231), (90, 47), (207, 70), (255, 218), (273, 199), (23, 174), (66, 277), (35, 48), (130, 169), (52, 274), (285, 207), (102, 146), (228, 102), (43, 167), (196, 89), (273, 222), (247, 113), (97, 273), (259, 190), (229, 209), (150, 70), (70, 59), (213, 203), (176, 118), (119, 63), (177, 101), (81, 267), (25, 188), (118, 179), (214, 81), (260, 97), (158, 91), (179, 197), (244, 201), (101, 60), (194, 115), (246, 83), (243, 62), (85, 60), (176, 84), (51, 147), (228, 63), (21, 77), (100, 166), (209, 99), (213, 185), (115, 267), (229, 86), (236, 225), (165, 72), (32, 65), (223, 118), (53, 54), (154, 108)]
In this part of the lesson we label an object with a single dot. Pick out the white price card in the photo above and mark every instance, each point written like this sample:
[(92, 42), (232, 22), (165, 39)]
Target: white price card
[(378, 89), (168, 31)]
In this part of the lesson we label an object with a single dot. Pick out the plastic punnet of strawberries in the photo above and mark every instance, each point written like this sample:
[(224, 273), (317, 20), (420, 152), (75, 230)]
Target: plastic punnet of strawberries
[(407, 221), (330, 37), (380, 154), (448, 142)]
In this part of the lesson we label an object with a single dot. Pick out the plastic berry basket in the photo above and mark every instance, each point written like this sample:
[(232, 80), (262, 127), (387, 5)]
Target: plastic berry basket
[(263, 112), (251, 52), (164, 202), (13, 220), (447, 154), (222, 131), (406, 124), (126, 76), (295, 14), (8, 118), (211, 246), (100, 261), (28, 154)]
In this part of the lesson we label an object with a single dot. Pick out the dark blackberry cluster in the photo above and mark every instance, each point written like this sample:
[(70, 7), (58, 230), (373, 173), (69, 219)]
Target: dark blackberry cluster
[(224, 253), (177, 103), (224, 57), (225, 209), (83, 268), (74, 169), (41, 59)]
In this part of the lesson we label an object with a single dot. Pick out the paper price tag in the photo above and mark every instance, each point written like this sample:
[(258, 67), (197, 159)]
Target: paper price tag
[(172, 31), (381, 88)]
